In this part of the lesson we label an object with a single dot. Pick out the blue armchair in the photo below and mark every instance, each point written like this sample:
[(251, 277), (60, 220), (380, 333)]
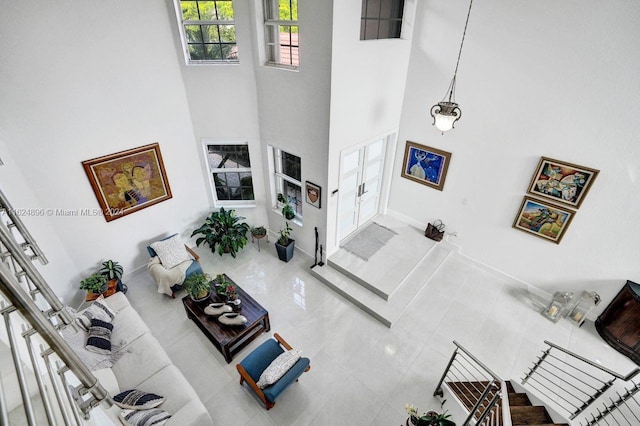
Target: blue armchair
[(257, 361), (194, 268)]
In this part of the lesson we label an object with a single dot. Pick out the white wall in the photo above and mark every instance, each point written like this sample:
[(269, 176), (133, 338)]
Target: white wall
[(82, 80), (294, 113), (545, 78), (367, 88)]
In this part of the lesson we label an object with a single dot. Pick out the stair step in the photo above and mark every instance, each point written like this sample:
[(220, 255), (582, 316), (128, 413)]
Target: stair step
[(510, 388), (518, 399), (530, 415)]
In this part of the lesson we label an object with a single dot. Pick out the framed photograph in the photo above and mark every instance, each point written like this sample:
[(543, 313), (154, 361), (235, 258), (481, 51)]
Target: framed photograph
[(562, 182), (312, 194), (425, 165), (543, 219), (128, 181)]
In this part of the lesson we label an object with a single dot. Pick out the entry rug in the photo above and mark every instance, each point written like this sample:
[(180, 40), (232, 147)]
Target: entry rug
[(369, 240)]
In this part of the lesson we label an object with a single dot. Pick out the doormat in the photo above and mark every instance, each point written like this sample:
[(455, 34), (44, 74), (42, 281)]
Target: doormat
[(369, 240)]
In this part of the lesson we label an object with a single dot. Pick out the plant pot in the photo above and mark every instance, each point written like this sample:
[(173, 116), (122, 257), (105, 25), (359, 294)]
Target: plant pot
[(285, 253), (202, 299)]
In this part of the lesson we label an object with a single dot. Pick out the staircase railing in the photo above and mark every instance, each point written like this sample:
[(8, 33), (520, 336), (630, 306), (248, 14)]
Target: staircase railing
[(574, 383), (622, 410), (478, 389), (26, 300)]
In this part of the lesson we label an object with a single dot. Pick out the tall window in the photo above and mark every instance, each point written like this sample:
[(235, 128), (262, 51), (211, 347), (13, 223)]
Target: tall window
[(208, 30), (230, 171), (281, 32), (381, 19), (288, 178)]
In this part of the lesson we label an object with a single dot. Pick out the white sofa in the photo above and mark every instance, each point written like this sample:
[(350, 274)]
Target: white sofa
[(144, 365)]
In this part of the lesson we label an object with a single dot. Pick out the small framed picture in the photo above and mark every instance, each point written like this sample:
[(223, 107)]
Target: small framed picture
[(562, 182), (543, 219), (312, 193), (425, 165)]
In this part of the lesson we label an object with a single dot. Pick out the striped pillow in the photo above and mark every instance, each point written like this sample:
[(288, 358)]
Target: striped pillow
[(99, 340), (98, 309), (137, 400), (155, 417)]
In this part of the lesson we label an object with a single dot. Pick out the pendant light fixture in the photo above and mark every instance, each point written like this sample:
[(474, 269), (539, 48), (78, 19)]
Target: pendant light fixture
[(446, 112)]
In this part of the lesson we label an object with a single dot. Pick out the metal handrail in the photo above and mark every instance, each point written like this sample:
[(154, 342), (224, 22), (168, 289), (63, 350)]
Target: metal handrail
[(15, 219), (493, 388)]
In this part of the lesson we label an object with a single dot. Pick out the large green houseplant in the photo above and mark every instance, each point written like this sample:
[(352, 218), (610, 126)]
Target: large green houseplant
[(94, 283), (223, 229)]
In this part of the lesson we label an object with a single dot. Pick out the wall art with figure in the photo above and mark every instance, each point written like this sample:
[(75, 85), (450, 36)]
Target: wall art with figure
[(128, 181), (425, 165), (543, 219), (562, 182)]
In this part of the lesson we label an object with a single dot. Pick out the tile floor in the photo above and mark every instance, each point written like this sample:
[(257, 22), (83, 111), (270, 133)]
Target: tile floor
[(363, 373)]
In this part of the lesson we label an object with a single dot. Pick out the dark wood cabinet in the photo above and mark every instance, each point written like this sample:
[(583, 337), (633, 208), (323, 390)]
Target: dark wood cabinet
[(619, 323)]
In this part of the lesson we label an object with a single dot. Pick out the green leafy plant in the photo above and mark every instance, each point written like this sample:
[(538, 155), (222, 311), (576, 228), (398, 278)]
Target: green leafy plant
[(94, 283), (224, 230), (284, 235), (197, 286), (258, 231), (430, 418), (111, 270), (287, 210), (221, 284)]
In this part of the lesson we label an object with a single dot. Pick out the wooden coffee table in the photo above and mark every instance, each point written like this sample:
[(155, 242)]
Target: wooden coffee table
[(229, 339)]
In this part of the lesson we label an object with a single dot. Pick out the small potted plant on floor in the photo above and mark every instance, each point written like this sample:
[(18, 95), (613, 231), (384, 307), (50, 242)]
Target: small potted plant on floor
[(94, 283), (112, 270), (223, 229), (198, 287), (430, 418), (285, 245)]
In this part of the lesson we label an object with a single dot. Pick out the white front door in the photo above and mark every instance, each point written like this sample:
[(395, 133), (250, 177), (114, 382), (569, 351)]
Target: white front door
[(361, 172)]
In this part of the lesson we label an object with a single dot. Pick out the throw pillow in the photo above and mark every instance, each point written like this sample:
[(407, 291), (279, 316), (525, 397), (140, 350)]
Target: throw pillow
[(278, 368), (99, 340), (98, 309), (137, 400), (155, 417), (171, 251)]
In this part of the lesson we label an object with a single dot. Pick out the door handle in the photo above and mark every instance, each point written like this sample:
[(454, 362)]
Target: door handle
[(363, 190)]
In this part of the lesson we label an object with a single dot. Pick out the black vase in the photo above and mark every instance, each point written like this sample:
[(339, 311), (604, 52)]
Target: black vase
[(285, 252)]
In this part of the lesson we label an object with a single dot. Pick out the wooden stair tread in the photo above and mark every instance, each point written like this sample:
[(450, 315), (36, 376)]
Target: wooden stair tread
[(530, 415), (510, 388), (518, 399)]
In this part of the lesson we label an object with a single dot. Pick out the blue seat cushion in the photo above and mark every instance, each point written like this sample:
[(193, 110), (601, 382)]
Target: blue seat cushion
[(258, 360), (272, 392)]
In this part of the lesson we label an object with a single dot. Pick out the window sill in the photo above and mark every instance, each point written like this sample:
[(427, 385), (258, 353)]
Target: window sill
[(282, 66), (214, 63), (228, 205)]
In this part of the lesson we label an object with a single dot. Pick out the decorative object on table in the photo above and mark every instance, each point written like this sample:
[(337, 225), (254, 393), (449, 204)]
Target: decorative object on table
[(559, 306), (430, 418), (435, 230), (218, 308), (285, 244), (543, 219), (128, 181), (232, 318), (171, 262), (619, 323), (425, 165), (582, 306), (221, 283), (261, 358), (231, 293), (224, 230), (113, 271), (562, 182), (95, 283), (446, 112), (198, 287), (287, 210), (312, 194), (258, 233)]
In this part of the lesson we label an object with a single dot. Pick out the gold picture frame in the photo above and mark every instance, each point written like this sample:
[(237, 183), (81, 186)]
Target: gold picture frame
[(425, 165), (562, 182), (543, 219)]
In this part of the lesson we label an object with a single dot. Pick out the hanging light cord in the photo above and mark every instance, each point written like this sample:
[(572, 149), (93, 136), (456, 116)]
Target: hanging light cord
[(452, 86)]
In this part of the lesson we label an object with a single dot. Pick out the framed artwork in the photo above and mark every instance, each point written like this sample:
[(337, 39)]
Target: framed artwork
[(312, 193), (128, 181), (562, 182), (425, 165), (543, 219)]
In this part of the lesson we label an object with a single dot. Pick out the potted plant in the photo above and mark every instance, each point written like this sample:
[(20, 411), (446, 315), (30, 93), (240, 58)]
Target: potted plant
[(258, 232), (430, 418), (198, 287), (94, 283), (112, 270), (221, 285), (224, 230), (287, 210), (284, 244)]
